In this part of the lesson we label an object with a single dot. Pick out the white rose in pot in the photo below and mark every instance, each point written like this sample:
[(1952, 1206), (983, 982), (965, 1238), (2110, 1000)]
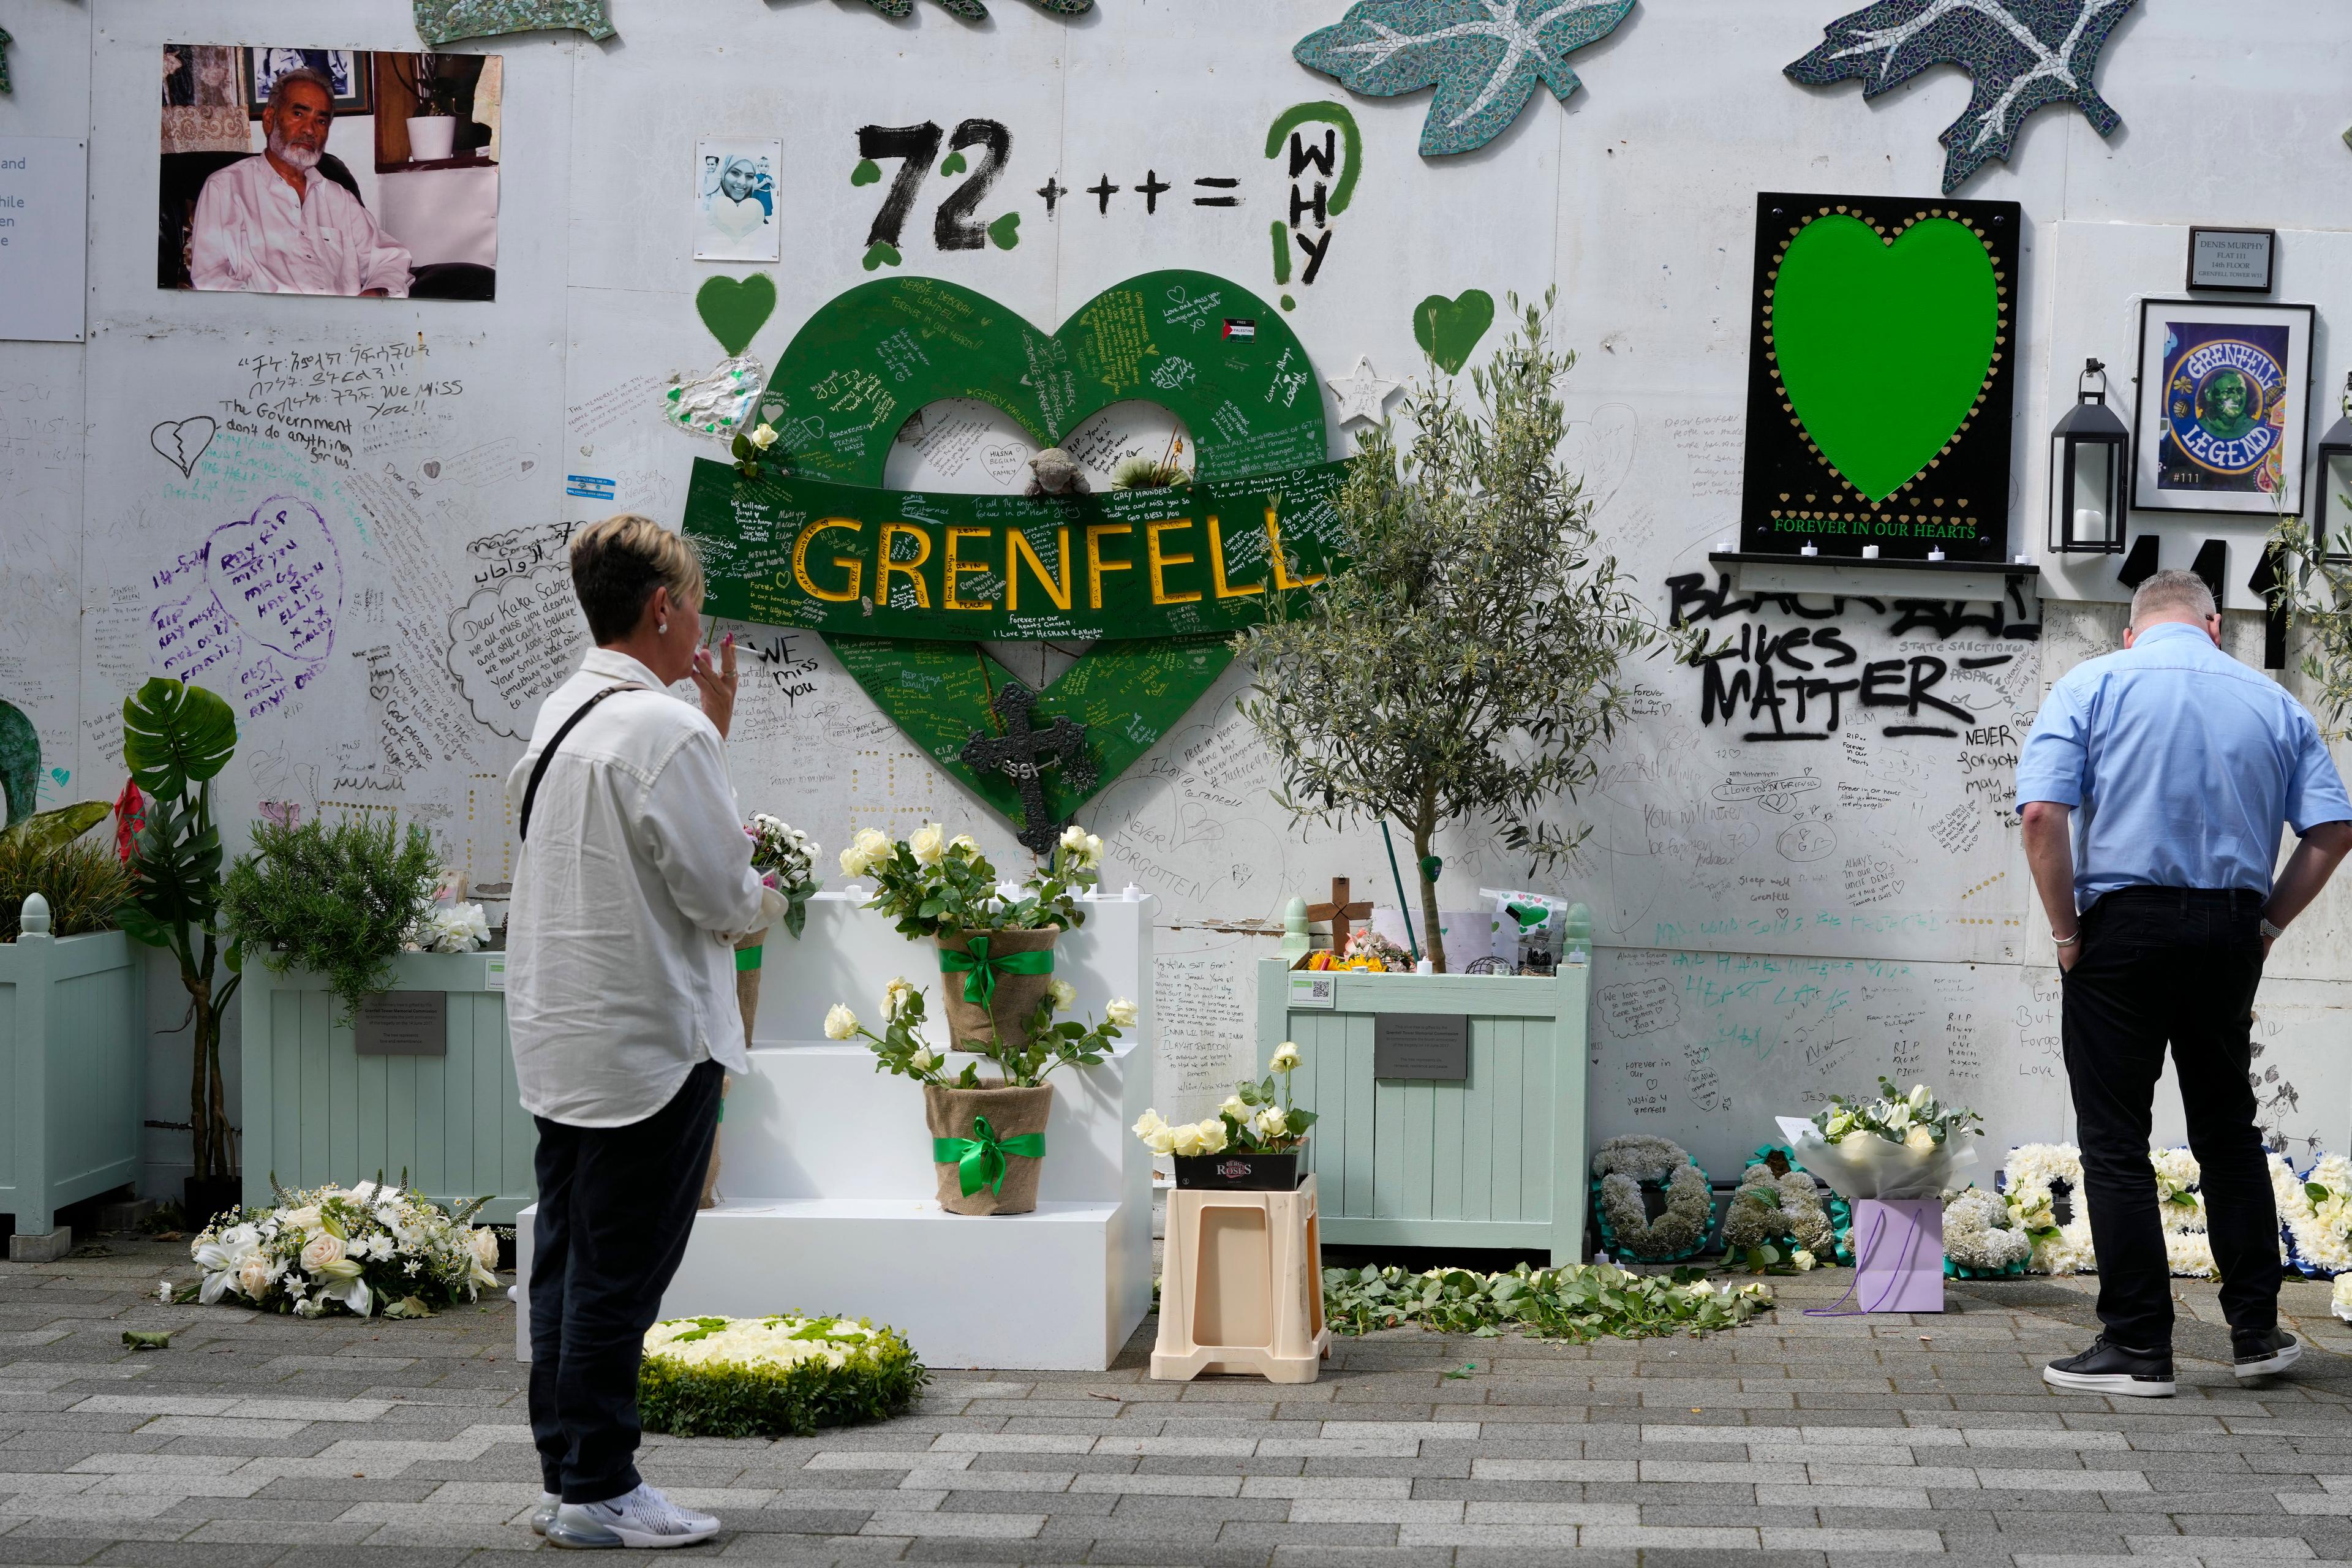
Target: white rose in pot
[(1212, 1136), (1065, 995), (840, 1023), (929, 844), (1120, 1014), (1185, 1140)]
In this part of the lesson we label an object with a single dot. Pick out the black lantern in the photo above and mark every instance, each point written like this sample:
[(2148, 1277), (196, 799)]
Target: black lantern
[(2331, 525), (2090, 465)]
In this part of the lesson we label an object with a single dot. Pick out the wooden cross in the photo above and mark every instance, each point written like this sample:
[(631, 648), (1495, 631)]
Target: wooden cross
[(1022, 754), (1339, 911)]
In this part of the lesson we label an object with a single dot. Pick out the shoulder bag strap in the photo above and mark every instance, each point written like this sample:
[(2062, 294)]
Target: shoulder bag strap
[(530, 790)]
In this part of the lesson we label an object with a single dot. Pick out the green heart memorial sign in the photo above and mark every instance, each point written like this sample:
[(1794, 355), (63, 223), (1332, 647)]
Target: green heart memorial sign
[(906, 585), (1880, 380)]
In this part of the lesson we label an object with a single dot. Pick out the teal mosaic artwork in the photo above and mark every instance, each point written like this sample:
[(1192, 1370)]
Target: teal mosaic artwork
[(446, 21)]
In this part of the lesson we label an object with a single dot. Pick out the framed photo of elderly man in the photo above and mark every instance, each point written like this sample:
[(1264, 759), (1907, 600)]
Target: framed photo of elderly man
[(2224, 415), (337, 171)]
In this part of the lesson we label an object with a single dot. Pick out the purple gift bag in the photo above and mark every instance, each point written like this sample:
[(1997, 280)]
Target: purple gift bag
[(1898, 1247)]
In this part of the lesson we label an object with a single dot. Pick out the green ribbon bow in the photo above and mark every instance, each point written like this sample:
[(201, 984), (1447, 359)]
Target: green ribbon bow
[(979, 1159), (980, 968)]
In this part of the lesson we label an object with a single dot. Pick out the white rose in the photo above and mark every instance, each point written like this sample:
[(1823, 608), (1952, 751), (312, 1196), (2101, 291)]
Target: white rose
[(929, 844), (1160, 1140), (1094, 850), (1073, 838), (1919, 1141), (1233, 1107), (486, 1246), (305, 1219), (1212, 1136), (964, 844), (322, 1249), (1120, 1014), (1187, 1139), (1270, 1123), (1065, 995), (840, 1023), (1803, 1259), (254, 1276), (924, 1060), (865, 851), (1857, 1139), (1286, 1057), (1147, 1124), (895, 997), (764, 437)]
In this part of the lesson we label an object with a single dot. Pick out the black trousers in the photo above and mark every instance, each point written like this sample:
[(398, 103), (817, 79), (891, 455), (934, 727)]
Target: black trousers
[(2172, 965), (616, 1209)]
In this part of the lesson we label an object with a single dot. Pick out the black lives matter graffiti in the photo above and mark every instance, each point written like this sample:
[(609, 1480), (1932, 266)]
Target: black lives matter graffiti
[(1771, 682)]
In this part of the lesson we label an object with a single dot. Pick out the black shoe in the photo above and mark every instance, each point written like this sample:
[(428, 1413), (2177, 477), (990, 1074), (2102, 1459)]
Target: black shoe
[(2262, 1351), (2110, 1368)]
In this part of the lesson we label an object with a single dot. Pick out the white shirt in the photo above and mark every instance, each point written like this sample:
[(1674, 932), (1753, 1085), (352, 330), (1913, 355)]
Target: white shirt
[(627, 900), (253, 234)]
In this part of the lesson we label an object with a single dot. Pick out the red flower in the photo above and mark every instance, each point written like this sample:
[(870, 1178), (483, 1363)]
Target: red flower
[(129, 820)]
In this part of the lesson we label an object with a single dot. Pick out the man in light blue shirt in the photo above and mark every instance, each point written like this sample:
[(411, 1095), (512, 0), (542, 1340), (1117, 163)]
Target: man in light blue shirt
[(2154, 787)]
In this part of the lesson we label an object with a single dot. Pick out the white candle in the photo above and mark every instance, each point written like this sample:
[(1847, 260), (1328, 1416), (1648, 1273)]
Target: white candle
[(1810, 549), (2090, 525), (1870, 553), (1935, 554)]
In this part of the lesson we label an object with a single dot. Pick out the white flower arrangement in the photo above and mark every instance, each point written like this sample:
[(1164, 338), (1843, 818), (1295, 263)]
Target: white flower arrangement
[(2340, 1300), (772, 1377), (2187, 1247), (1898, 1145), (785, 858), (781, 1342), (1773, 1218), (1982, 1232), (363, 1249), (2316, 1210), (2031, 1175), (1620, 1168), (447, 928), (1255, 1119)]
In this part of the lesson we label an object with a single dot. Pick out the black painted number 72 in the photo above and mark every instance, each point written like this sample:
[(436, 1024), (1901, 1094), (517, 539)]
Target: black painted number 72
[(954, 229)]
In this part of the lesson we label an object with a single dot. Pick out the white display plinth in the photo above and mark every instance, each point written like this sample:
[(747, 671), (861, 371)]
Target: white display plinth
[(828, 1192)]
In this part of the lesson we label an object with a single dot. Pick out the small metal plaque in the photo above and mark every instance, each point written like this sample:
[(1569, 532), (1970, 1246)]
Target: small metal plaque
[(405, 1024), (1420, 1045), (1321, 989), (2236, 261)]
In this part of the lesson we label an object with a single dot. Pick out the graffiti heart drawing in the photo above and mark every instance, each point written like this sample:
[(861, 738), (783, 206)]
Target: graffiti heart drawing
[(180, 442)]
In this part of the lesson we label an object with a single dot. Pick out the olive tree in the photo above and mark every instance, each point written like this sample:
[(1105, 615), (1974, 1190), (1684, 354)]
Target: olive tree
[(1467, 662)]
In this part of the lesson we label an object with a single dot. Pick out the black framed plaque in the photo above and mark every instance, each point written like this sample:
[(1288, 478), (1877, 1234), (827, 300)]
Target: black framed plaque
[(1881, 378), (402, 1023), (1420, 1045), (2233, 260)]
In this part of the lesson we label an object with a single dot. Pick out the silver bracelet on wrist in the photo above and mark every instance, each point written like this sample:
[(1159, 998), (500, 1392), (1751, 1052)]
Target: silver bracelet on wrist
[(2272, 931), (2065, 940)]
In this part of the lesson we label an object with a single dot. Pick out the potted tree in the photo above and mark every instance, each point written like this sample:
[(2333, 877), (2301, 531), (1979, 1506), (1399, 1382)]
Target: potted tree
[(988, 1139), (1467, 663), (342, 901), (995, 938), (175, 741)]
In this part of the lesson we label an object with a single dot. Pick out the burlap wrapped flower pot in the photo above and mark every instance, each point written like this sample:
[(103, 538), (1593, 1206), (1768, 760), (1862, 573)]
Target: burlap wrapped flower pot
[(989, 1145), (749, 951), (993, 980)]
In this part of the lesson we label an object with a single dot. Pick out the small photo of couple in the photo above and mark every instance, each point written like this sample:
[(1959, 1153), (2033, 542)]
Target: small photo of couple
[(735, 201)]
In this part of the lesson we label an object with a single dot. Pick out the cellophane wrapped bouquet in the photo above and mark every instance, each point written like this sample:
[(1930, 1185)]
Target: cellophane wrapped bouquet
[(1897, 1145), (366, 1249)]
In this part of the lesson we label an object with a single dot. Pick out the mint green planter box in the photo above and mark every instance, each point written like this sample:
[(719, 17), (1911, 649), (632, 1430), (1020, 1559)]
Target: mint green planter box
[(72, 1071), (1497, 1160), (317, 1111)]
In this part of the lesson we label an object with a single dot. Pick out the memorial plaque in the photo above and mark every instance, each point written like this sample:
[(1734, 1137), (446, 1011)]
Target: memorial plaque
[(1420, 1045), (403, 1023), (2235, 260)]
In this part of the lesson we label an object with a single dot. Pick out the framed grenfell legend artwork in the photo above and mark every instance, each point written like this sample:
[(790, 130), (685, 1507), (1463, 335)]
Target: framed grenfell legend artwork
[(2224, 407), (1880, 378)]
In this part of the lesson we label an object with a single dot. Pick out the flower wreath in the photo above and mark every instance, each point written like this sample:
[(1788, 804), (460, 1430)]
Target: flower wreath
[(1821, 1223), (1983, 1237), (2315, 1211), (2029, 1178), (1620, 1168), (2187, 1247)]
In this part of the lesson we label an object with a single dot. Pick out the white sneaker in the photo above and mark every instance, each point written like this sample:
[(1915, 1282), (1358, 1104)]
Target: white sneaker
[(642, 1518), (544, 1514)]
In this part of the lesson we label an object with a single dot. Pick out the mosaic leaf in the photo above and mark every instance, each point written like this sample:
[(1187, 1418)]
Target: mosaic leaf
[(976, 10), (446, 21), (1484, 57), (2022, 53), (4, 61)]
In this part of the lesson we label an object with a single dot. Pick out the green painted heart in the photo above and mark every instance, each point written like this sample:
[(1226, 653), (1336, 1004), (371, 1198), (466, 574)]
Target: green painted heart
[(1203, 347), (1883, 348), (735, 310), (1448, 330)]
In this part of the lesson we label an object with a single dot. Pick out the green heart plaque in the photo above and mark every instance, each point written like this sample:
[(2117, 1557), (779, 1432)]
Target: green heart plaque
[(1203, 347), (1448, 330), (1883, 345), (735, 311)]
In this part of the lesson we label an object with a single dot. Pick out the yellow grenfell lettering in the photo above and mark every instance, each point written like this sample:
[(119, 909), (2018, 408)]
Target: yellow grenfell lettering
[(1217, 566), (1283, 580), (956, 569), (1096, 564), (1159, 594), (848, 563), (885, 568), (1017, 549)]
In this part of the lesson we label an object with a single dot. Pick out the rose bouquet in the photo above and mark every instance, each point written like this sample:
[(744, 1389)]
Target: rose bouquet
[(1895, 1146), (369, 1248), (933, 885), (785, 858), (902, 1051), (1256, 1119)]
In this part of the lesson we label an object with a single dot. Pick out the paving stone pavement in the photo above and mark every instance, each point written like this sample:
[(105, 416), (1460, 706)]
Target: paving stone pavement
[(1794, 1440)]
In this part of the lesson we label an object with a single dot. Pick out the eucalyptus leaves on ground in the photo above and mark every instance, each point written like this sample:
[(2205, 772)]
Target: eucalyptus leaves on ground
[(1468, 663), (1583, 1302)]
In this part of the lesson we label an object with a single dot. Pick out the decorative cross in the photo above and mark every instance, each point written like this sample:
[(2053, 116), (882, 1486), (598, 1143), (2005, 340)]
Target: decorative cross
[(1339, 911), (1022, 754)]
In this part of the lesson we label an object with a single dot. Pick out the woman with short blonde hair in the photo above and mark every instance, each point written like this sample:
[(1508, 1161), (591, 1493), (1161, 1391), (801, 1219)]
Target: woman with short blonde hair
[(634, 880)]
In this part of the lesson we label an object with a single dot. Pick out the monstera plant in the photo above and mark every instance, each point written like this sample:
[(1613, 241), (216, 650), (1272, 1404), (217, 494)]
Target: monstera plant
[(175, 741)]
